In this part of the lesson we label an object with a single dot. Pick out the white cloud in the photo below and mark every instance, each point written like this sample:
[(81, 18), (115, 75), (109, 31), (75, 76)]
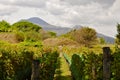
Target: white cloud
[(25, 3), (6, 10), (104, 3), (115, 10), (99, 14), (55, 9)]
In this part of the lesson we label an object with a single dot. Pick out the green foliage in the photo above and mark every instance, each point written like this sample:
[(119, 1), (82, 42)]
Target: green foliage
[(25, 26), (77, 67), (102, 40), (20, 36), (69, 35), (53, 34), (32, 36), (48, 66), (116, 64), (31, 44), (67, 59), (91, 65), (86, 66), (118, 34), (5, 26), (25, 31), (16, 61)]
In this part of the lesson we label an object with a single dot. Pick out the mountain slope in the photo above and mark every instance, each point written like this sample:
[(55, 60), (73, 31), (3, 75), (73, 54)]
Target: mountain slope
[(107, 38), (37, 21), (62, 30), (59, 30)]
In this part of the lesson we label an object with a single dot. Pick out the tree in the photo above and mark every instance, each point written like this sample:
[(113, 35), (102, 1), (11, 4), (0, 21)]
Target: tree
[(69, 35), (118, 34), (4, 26), (53, 34), (101, 40), (24, 26), (85, 36)]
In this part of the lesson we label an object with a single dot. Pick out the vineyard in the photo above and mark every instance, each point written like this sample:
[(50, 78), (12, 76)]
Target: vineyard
[(90, 66), (27, 52), (16, 62)]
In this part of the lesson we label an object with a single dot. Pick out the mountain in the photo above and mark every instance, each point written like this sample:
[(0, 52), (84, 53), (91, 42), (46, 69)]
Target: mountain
[(61, 30), (46, 26), (37, 20), (77, 27), (107, 38)]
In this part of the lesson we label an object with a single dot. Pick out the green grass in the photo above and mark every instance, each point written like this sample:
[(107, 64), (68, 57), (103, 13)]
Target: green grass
[(62, 72)]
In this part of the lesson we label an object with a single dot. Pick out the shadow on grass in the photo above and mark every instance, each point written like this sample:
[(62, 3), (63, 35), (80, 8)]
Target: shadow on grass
[(58, 72), (62, 78)]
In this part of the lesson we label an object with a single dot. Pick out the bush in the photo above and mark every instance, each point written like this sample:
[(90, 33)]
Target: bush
[(32, 36), (16, 61), (20, 36), (25, 26), (5, 26)]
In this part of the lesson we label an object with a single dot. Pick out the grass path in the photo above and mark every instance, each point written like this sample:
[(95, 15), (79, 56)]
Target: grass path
[(62, 72)]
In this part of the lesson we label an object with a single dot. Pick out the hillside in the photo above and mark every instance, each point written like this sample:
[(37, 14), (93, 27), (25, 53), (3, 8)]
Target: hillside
[(46, 26), (107, 38)]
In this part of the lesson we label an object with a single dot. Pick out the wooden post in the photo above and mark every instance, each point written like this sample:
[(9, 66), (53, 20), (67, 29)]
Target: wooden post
[(106, 63), (93, 72), (35, 70)]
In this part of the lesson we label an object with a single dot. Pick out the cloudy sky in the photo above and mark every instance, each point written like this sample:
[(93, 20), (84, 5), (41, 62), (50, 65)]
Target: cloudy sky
[(102, 15)]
